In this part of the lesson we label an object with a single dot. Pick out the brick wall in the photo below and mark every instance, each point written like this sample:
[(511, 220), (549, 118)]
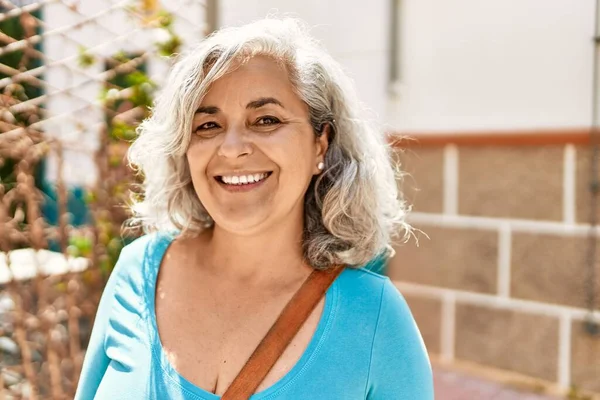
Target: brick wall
[(500, 279)]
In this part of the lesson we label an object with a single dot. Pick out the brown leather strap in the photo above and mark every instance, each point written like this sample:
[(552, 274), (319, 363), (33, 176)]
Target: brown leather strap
[(281, 334)]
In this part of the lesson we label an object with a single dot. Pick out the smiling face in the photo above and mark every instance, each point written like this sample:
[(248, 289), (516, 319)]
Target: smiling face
[(253, 151)]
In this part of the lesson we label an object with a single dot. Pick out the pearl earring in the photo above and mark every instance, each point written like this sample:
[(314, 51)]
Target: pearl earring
[(321, 166)]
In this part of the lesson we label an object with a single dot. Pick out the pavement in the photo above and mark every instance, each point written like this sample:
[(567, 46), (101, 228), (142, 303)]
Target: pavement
[(454, 385)]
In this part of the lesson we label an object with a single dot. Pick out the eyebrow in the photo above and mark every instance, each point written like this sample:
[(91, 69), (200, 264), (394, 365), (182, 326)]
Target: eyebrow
[(263, 101), (258, 103), (207, 110)]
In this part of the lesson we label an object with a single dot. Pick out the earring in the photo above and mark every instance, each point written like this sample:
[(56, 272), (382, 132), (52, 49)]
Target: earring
[(321, 166)]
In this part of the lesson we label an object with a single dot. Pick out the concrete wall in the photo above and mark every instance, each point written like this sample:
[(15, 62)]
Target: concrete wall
[(501, 275)]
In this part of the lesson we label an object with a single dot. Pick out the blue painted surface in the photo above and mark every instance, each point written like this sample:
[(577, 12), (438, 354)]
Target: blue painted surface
[(76, 205), (366, 344), (378, 265)]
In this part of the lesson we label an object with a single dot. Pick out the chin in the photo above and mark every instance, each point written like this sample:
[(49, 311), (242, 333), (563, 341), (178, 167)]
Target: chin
[(244, 225)]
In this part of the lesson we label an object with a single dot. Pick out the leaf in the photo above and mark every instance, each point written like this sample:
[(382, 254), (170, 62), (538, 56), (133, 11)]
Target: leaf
[(85, 60)]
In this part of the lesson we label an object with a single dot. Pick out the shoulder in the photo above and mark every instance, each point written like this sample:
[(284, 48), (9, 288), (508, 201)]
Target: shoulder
[(145, 248), (399, 361), (363, 277), (399, 367), (380, 293), (394, 318), (363, 285), (373, 300)]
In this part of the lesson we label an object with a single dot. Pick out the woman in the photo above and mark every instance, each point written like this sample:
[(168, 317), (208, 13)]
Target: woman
[(258, 170)]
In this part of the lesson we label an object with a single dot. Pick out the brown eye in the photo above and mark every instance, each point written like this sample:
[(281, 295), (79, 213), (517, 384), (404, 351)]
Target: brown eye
[(267, 121), (207, 130), (207, 126)]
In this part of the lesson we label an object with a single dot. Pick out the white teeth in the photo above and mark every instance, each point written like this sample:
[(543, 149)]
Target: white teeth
[(243, 179)]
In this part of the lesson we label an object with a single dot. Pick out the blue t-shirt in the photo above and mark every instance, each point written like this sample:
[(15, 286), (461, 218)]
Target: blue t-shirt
[(366, 345)]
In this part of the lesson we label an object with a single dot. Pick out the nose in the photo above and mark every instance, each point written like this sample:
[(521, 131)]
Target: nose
[(235, 144)]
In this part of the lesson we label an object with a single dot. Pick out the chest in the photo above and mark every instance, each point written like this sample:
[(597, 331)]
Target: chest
[(208, 331)]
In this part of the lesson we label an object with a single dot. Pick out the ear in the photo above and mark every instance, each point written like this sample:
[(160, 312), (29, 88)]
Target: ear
[(323, 142)]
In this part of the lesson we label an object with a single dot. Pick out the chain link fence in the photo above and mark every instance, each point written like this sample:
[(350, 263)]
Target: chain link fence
[(76, 77)]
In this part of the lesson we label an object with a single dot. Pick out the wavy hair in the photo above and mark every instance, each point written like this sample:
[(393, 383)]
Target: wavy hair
[(353, 209)]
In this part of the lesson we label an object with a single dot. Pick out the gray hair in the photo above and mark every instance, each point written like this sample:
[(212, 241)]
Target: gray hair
[(352, 210)]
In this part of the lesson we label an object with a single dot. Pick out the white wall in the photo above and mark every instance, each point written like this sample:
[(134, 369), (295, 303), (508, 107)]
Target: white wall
[(464, 64), (473, 64), (355, 32)]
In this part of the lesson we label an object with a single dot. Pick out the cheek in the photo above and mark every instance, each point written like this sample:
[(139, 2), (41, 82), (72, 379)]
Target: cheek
[(294, 152), (298, 165), (302, 159), (197, 159)]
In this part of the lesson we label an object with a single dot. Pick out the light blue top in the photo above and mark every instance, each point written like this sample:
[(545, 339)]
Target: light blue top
[(366, 345)]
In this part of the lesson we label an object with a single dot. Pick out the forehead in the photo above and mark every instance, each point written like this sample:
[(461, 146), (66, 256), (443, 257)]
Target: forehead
[(258, 77)]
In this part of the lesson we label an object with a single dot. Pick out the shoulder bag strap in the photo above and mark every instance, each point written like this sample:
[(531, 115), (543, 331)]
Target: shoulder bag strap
[(281, 334)]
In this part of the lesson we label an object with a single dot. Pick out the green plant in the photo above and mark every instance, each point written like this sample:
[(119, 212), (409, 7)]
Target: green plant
[(127, 99), (84, 58)]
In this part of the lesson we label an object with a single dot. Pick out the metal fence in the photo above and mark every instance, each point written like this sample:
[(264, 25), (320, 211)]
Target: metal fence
[(76, 76)]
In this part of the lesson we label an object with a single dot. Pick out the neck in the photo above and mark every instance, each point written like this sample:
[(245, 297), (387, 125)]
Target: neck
[(273, 255)]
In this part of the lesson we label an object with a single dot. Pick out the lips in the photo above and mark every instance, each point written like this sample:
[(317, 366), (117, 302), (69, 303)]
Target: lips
[(243, 179), (242, 182)]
